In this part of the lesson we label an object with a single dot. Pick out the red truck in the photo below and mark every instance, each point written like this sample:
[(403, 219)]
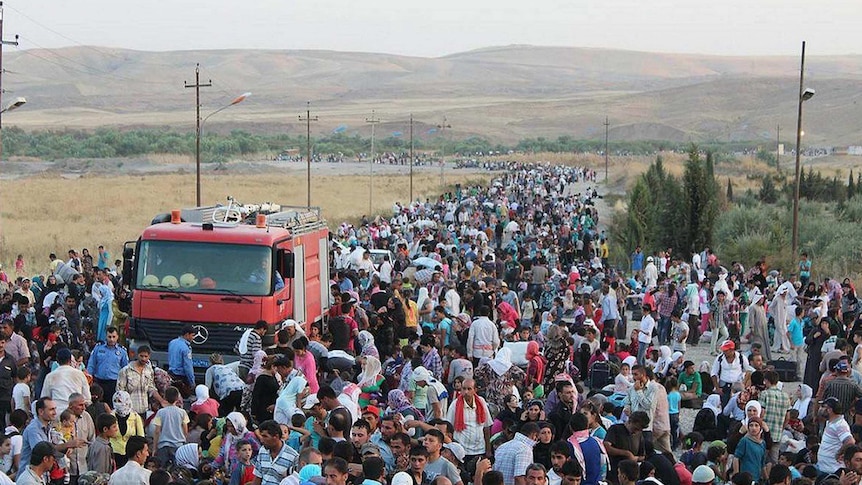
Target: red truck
[(190, 267)]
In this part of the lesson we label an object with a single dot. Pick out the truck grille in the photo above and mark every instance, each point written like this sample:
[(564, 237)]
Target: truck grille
[(218, 337)]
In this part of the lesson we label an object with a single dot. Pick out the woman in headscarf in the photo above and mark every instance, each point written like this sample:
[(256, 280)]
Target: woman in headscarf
[(264, 392), (803, 400), (257, 365), (129, 422), (510, 414), (706, 420), (557, 353), (569, 302), (398, 403), (496, 377), (536, 364), (188, 457), (366, 343), (290, 397), (234, 430), (664, 361), (425, 306), (815, 340), (370, 380), (203, 402), (758, 325)]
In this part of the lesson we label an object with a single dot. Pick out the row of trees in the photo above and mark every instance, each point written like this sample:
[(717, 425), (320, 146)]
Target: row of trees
[(667, 212), (812, 186), (110, 143)]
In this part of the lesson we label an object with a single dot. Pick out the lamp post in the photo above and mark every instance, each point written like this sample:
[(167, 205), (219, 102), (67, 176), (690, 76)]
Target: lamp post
[(239, 99), (804, 95), (372, 121), (17, 103), (442, 128)]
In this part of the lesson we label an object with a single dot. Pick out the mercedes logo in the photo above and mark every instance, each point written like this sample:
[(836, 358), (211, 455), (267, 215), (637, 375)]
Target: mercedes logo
[(201, 334)]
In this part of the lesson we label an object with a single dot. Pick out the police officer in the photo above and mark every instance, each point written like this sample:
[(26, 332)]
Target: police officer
[(106, 361)]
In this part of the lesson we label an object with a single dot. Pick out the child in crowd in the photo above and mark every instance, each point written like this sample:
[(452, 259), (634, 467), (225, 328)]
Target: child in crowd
[(203, 403), (202, 424), (59, 474), (100, 455), (21, 391), (716, 457), (673, 399), (297, 431), (243, 472), (693, 456), (171, 428)]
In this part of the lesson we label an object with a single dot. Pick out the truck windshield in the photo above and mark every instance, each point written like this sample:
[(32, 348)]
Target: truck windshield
[(196, 267)]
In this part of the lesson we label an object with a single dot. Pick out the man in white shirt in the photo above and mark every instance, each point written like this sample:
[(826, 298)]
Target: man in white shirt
[(386, 270), (472, 421), (133, 472), (728, 369), (483, 338), (64, 381), (836, 435), (645, 332)]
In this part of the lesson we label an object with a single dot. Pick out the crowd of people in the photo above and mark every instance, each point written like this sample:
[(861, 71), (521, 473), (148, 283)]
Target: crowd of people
[(493, 344)]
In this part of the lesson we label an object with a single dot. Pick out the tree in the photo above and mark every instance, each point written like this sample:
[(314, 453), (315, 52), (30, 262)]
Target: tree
[(768, 193), (729, 190), (851, 187)]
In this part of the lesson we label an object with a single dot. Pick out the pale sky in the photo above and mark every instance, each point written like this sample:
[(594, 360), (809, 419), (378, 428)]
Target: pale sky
[(440, 27)]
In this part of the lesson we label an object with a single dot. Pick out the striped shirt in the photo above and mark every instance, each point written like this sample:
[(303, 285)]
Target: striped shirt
[(254, 344), (272, 471), (845, 390)]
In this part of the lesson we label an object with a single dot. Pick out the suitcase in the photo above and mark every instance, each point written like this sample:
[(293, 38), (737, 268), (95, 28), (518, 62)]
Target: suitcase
[(600, 375), (786, 369), (638, 313)]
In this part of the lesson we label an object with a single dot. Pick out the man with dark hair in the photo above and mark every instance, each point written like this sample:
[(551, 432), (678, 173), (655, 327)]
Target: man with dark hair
[(780, 475), (106, 361), (437, 465), (418, 460), (571, 473), (642, 396), (249, 343), (133, 472), (275, 459), (64, 381), (842, 388), (339, 424), (627, 473), (180, 366), (360, 434), (39, 463), (335, 471), (513, 457), (37, 432), (492, 478), (626, 442), (483, 339), (562, 413), (374, 471), (388, 428), (836, 435), (775, 405), (591, 449)]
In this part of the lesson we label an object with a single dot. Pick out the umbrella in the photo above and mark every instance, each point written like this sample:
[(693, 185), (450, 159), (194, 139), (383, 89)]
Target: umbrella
[(512, 226), (424, 223), (426, 262)]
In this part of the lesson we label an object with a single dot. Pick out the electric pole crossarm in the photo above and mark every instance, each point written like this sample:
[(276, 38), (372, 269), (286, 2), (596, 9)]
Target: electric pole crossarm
[(308, 119), (197, 87)]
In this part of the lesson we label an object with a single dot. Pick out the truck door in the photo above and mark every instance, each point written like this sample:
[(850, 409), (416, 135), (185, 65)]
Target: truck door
[(324, 273), (299, 283)]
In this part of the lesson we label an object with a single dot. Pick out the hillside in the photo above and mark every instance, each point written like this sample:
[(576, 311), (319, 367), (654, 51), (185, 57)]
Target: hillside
[(505, 93)]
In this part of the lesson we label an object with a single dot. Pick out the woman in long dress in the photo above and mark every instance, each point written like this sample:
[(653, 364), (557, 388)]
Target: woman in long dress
[(815, 340), (778, 310), (759, 326)]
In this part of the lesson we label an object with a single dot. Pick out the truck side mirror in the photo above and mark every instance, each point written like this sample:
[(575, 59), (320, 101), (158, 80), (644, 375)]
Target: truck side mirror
[(128, 272), (287, 264)]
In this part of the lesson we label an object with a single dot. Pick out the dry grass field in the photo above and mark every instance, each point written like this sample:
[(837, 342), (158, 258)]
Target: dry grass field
[(47, 214)]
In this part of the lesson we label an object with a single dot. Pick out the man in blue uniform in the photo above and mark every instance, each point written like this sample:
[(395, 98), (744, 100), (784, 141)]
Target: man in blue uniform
[(106, 361), (180, 365)]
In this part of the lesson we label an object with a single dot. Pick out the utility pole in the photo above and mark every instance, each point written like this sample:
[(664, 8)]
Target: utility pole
[(443, 127), (794, 243), (308, 119), (2, 43), (607, 124), (372, 121), (411, 158), (778, 149), (197, 86)]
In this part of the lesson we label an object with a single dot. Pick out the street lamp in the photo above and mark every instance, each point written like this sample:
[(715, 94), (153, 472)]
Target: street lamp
[(200, 134), (804, 95), (17, 103)]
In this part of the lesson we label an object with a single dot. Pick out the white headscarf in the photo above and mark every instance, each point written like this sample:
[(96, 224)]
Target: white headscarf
[(370, 371), (188, 456), (630, 360), (802, 404), (239, 425), (663, 364), (752, 404), (713, 403), (502, 362), (422, 298), (202, 393)]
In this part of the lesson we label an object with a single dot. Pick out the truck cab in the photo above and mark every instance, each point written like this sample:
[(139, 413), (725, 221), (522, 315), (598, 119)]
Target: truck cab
[(222, 278)]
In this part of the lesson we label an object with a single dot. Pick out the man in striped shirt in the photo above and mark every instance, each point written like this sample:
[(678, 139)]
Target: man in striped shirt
[(843, 388), (250, 342), (275, 459)]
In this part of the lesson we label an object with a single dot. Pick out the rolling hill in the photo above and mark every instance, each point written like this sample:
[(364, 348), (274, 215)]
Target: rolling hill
[(504, 93)]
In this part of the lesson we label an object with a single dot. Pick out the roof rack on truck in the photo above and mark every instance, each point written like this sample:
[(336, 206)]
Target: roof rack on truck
[(297, 219)]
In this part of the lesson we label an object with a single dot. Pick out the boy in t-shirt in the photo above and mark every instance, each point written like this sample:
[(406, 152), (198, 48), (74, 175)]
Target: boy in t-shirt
[(243, 472), (21, 391), (171, 428), (673, 400), (100, 455)]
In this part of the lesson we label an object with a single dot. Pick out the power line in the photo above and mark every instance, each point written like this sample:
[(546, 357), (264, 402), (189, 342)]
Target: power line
[(49, 29)]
